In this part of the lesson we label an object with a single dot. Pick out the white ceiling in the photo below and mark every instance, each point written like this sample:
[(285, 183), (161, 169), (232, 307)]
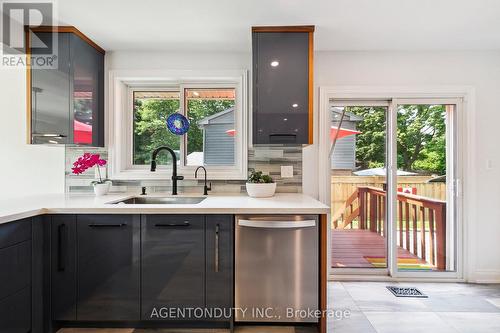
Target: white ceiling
[(215, 25)]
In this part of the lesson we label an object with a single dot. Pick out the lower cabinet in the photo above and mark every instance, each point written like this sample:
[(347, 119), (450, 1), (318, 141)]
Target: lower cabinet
[(15, 276), (132, 268), (108, 265), (219, 264), (63, 266), (173, 266)]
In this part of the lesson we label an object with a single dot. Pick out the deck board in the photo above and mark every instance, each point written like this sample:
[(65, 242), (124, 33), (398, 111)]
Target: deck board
[(350, 247)]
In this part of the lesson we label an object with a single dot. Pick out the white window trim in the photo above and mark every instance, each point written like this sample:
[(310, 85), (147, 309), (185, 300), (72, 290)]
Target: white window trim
[(119, 137)]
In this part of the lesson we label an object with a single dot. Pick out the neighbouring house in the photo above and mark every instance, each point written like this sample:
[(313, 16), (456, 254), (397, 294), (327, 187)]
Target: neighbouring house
[(218, 138), (344, 155)]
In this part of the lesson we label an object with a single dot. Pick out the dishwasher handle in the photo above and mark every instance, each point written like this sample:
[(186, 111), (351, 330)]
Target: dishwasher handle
[(283, 224)]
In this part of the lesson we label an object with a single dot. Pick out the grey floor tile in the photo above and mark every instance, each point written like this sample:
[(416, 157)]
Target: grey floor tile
[(408, 322), (356, 322), (339, 298), (473, 322), (459, 303)]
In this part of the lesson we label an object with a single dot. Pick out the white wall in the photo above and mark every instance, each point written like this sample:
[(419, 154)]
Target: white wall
[(177, 60), (24, 169), (478, 69)]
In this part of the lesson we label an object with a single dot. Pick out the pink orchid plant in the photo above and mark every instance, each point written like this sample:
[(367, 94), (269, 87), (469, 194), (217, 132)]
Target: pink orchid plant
[(87, 161)]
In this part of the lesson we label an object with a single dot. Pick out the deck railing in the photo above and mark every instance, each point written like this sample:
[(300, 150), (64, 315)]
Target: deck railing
[(421, 221)]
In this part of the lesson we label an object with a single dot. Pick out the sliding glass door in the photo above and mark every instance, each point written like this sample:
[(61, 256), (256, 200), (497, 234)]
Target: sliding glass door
[(394, 187), (358, 137), (425, 230)]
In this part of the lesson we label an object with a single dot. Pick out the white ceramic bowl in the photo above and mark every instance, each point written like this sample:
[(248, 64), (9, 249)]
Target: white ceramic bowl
[(261, 190)]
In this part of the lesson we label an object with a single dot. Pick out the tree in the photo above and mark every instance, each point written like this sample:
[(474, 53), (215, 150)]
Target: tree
[(421, 137)]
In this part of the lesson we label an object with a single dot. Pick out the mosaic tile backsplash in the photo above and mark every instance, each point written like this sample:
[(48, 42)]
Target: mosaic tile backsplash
[(268, 159)]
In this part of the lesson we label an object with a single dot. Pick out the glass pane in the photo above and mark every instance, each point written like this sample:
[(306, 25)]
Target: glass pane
[(358, 187), (212, 134), (424, 229), (151, 109)]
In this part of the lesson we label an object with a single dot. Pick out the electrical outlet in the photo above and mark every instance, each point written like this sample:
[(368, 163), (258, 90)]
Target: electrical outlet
[(286, 171)]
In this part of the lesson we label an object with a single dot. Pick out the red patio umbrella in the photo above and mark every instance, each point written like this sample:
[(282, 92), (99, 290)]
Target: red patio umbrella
[(343, 132), (82, 132)]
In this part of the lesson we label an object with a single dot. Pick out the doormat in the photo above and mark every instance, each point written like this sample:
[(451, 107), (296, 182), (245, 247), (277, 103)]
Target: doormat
[(406, 292)]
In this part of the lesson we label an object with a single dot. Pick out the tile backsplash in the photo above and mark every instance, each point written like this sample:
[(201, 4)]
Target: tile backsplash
[(269, 159)]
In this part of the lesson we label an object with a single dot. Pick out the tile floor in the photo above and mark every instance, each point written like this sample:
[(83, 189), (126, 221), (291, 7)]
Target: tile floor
[(368, 307), (451, 307)]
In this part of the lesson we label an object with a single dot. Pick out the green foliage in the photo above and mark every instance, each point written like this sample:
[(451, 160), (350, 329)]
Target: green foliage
[(258, 177), (421, 137), (150, 129)]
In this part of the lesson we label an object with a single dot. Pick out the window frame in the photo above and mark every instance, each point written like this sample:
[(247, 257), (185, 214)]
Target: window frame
[(120, 136)]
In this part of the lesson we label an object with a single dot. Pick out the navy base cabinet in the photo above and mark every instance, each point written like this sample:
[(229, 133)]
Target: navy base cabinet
[(108, 267), (15, 276), (219, 262), (173, 266)]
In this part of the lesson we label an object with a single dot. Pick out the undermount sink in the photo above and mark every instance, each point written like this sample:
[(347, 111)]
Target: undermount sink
[(161, 201)]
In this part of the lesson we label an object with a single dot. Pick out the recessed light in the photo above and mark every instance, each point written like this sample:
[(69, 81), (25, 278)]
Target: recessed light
[(295, 105), (285, 119), (196, 93), (275, 63)]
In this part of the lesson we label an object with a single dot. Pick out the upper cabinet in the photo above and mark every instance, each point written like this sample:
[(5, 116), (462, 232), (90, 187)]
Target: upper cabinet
[(65, 96), (282, 85)]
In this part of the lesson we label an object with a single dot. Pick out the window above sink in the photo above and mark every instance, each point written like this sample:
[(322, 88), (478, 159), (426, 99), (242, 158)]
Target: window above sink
[(215, 104)]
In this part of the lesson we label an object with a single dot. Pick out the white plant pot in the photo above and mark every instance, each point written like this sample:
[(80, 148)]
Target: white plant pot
[(261, 190), (101, 189)]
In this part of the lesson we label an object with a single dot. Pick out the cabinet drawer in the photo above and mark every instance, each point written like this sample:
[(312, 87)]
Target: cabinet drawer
[(15, 232), (15, 312), (15, 272)]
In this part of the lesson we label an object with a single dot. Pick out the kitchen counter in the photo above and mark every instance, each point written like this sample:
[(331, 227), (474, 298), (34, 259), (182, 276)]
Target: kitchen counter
[(281, 203)]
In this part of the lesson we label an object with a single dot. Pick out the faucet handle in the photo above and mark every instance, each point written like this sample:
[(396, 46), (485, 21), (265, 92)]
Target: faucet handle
[(143, 190), (209, 188)]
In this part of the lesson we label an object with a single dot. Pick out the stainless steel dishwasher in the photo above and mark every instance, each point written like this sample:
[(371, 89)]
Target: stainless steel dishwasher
[(276, 268)]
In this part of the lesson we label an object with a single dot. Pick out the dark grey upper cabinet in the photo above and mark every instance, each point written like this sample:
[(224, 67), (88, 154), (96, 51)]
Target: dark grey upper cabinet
[(282, 85), (66, 99), (173, 264), (108, 267), (219, 262)]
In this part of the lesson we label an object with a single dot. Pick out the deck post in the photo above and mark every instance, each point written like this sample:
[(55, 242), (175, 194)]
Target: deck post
[(441, 237)]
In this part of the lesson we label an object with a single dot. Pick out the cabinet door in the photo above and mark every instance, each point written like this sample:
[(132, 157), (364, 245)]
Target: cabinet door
[(219, 261), (63, 266), (280, 87), (50, 99), (108, 267), (87, 86), (15, 312), (173, 264)]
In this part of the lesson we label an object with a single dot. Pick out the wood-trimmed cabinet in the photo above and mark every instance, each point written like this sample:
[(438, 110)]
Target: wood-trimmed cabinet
[(282, 62), (65, 87)]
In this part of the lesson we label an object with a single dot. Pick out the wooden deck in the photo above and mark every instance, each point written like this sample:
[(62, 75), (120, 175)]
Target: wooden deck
[(352, 247)]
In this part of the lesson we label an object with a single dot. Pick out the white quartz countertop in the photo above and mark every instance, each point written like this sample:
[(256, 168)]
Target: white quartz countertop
[(281, 203)]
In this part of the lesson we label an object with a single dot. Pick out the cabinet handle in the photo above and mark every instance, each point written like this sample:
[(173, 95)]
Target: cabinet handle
[(120, 225), (167, 225), (62, 238), (48, 135), (217, 228)]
